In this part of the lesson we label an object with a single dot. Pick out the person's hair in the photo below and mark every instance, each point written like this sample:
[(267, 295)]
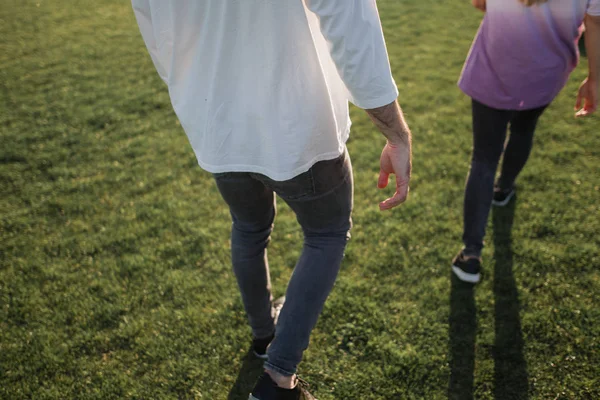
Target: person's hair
[(529, 3)]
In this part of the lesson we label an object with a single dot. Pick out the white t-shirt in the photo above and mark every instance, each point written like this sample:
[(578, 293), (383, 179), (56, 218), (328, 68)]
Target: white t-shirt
[(263, 85)]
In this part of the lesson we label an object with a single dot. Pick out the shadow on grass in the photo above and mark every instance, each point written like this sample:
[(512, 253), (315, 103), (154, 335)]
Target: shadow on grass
[(250, 371), (510, 372), (463, 326)]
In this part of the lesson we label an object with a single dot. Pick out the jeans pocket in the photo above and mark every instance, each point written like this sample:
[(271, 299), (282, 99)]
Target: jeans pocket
[(296, 188), (329, 174)]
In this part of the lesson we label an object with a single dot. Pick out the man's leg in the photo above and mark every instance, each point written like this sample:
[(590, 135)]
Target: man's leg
[(518, 148), (489, 132), (322, 199), (252, 207)]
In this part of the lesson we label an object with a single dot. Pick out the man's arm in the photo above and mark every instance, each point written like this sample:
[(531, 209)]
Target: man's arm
[(396, 157), (353, 31), (590, 88)]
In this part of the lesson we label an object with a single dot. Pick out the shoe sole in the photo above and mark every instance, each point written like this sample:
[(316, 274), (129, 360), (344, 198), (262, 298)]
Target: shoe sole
[(465, 277), (261, 356), (505, 201)]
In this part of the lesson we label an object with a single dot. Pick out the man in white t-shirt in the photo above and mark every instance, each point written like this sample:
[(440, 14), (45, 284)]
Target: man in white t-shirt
[(261, 88)]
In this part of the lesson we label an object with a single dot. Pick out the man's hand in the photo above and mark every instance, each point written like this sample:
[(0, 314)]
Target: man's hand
[(397, 153), (479, 4), (587, 97), (395, 159)]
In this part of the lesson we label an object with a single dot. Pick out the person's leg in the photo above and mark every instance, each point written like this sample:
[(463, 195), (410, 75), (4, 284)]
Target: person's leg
[(489, 132), (252, 207), (518, 147), (322, 199)]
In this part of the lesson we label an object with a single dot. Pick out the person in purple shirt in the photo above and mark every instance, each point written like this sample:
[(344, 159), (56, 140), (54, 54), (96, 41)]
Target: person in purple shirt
[(521, 58)]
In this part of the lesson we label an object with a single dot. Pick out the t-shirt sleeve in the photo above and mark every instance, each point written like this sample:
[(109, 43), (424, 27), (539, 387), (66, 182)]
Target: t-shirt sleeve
[(593, 8), (352, 29), (143, 16)]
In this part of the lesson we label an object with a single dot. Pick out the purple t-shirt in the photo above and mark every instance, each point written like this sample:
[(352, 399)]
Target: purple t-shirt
[(522, 56)]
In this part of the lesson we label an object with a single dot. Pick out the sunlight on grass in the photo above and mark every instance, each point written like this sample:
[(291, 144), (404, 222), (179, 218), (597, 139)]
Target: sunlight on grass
[(115, 277)]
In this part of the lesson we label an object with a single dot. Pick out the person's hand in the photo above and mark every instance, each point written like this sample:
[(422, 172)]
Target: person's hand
[(587, 97), (479, 4), (395, 159)]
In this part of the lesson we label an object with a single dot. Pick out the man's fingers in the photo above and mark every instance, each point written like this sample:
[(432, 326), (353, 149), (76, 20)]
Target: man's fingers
[(398, 198), (383, 179), (392, 202), (585, 111)]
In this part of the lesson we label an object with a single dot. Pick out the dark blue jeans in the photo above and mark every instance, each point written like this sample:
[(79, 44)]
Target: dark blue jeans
[(322, 200), (489, 134)]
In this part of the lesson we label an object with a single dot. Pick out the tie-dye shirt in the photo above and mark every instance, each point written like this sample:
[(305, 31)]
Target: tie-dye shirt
[(522, 56)]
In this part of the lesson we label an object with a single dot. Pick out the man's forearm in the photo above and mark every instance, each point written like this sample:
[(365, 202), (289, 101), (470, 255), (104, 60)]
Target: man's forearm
[(390, 121), (592, 46)]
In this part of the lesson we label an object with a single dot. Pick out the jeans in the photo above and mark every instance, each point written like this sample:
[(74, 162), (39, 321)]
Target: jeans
[(322, 199), (489, 134)]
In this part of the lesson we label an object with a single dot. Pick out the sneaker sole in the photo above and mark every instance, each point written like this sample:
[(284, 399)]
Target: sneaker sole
[(465, 277), (505, 201), (261, 356)]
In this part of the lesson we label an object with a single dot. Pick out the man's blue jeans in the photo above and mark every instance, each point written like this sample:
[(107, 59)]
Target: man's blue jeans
[(322, 200)]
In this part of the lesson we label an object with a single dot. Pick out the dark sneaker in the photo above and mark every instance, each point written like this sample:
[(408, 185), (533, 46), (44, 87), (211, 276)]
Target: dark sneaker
[(467, 269), (259, 346), (502, 196), (267, 389)]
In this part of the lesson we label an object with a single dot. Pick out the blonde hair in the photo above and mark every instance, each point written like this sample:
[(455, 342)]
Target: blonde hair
[(529, 3)]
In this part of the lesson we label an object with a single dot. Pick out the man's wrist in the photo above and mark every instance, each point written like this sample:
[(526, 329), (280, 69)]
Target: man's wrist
[(398, 140), (390, 121)]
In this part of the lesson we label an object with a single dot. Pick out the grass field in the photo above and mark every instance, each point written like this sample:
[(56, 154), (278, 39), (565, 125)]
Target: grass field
[(115, 278)]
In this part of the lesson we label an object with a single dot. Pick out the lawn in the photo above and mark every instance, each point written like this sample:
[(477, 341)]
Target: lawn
[(115, 277)]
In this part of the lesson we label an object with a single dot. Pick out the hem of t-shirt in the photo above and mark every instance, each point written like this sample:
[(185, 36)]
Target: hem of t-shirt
[(513, 106), (380, 101), (278, 175)]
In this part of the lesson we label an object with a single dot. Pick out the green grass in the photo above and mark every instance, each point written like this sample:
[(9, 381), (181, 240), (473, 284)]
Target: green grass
[(115, 278)]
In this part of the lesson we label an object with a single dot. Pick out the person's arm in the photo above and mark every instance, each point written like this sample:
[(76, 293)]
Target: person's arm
[(396, 157), (590, 88), (143, 16), (479, 4), (353, 32)]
